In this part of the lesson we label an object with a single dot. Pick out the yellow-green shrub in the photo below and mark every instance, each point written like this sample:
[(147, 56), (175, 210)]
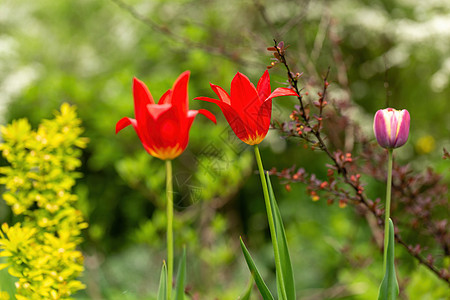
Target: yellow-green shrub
[(41, 249)]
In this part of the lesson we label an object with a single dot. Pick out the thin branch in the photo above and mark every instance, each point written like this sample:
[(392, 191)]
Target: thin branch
[(166, 31), (303, 6), (262, 10), (343, 170), (386, 81), (320, 36)]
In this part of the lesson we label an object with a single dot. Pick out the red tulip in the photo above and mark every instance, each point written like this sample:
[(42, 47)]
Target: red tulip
[(248, 110), (163, 128), (391, 127)]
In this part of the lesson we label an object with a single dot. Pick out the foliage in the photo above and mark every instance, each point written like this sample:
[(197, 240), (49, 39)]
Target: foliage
[(87, 52), (308, 125), (41, 248), (285, 279), (389, 285)]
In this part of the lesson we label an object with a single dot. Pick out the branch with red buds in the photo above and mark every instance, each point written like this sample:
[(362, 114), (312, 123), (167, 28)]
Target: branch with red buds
[(344, 180)]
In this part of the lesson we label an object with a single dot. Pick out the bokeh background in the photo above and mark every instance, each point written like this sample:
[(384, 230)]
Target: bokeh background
[(86, 52)]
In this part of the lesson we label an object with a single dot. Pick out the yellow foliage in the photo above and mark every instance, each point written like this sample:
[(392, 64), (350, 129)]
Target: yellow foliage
[(41, 251)]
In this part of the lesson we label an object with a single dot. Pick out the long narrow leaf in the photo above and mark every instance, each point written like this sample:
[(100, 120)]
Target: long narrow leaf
[(389, 286), (181, 277), (262, 287), (286, 265), (162, 290), (248, 290)]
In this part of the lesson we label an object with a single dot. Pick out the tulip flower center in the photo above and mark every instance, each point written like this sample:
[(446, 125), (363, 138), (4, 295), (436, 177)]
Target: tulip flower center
[(392, 121), (169, 131)]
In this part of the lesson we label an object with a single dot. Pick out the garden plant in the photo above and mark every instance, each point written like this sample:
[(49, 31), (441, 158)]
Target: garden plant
[(350, 203)]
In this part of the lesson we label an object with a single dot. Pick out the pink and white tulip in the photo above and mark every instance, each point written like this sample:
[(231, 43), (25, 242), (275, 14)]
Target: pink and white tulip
[(391, 127)]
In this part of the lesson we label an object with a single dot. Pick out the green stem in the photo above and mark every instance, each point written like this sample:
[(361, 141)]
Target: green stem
[(271, 223), (169, 194), (387, 210)]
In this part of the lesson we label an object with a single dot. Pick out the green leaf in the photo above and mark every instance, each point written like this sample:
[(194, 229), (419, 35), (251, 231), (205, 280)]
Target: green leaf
[(248, 291), (262, 287), (162, 290), (286, 265), (181, 277), (389, 286)]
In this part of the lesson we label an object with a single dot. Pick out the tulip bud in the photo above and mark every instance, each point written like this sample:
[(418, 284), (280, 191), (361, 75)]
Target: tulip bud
[(391, 127)]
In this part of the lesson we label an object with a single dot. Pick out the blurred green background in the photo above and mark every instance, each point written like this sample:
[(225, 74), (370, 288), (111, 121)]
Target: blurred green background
[(86, 52)]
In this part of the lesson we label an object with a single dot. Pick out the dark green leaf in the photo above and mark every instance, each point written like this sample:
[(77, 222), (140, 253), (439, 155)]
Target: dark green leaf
[(162, 290), (389, 285), (286, 265), (181, 277), (248, 291), (262, 287)]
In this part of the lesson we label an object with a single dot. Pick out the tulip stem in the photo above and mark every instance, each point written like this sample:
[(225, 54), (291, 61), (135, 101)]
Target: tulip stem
[(273, 235), (387, 210), (169, 195)]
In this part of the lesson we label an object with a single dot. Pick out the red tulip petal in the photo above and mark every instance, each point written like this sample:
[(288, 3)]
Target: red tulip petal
[(142, 97), (166, 98), (208, 114), (278, 92), (167, 130), (265, 111), (245, 100), (124, 122), (264, 117), (155, 110), (180, 93), (238, 125), (263, 86), (228, 111), (184, 134), (221, 93), (184, 131), (166, 133), (208, 99), (244, 96)]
